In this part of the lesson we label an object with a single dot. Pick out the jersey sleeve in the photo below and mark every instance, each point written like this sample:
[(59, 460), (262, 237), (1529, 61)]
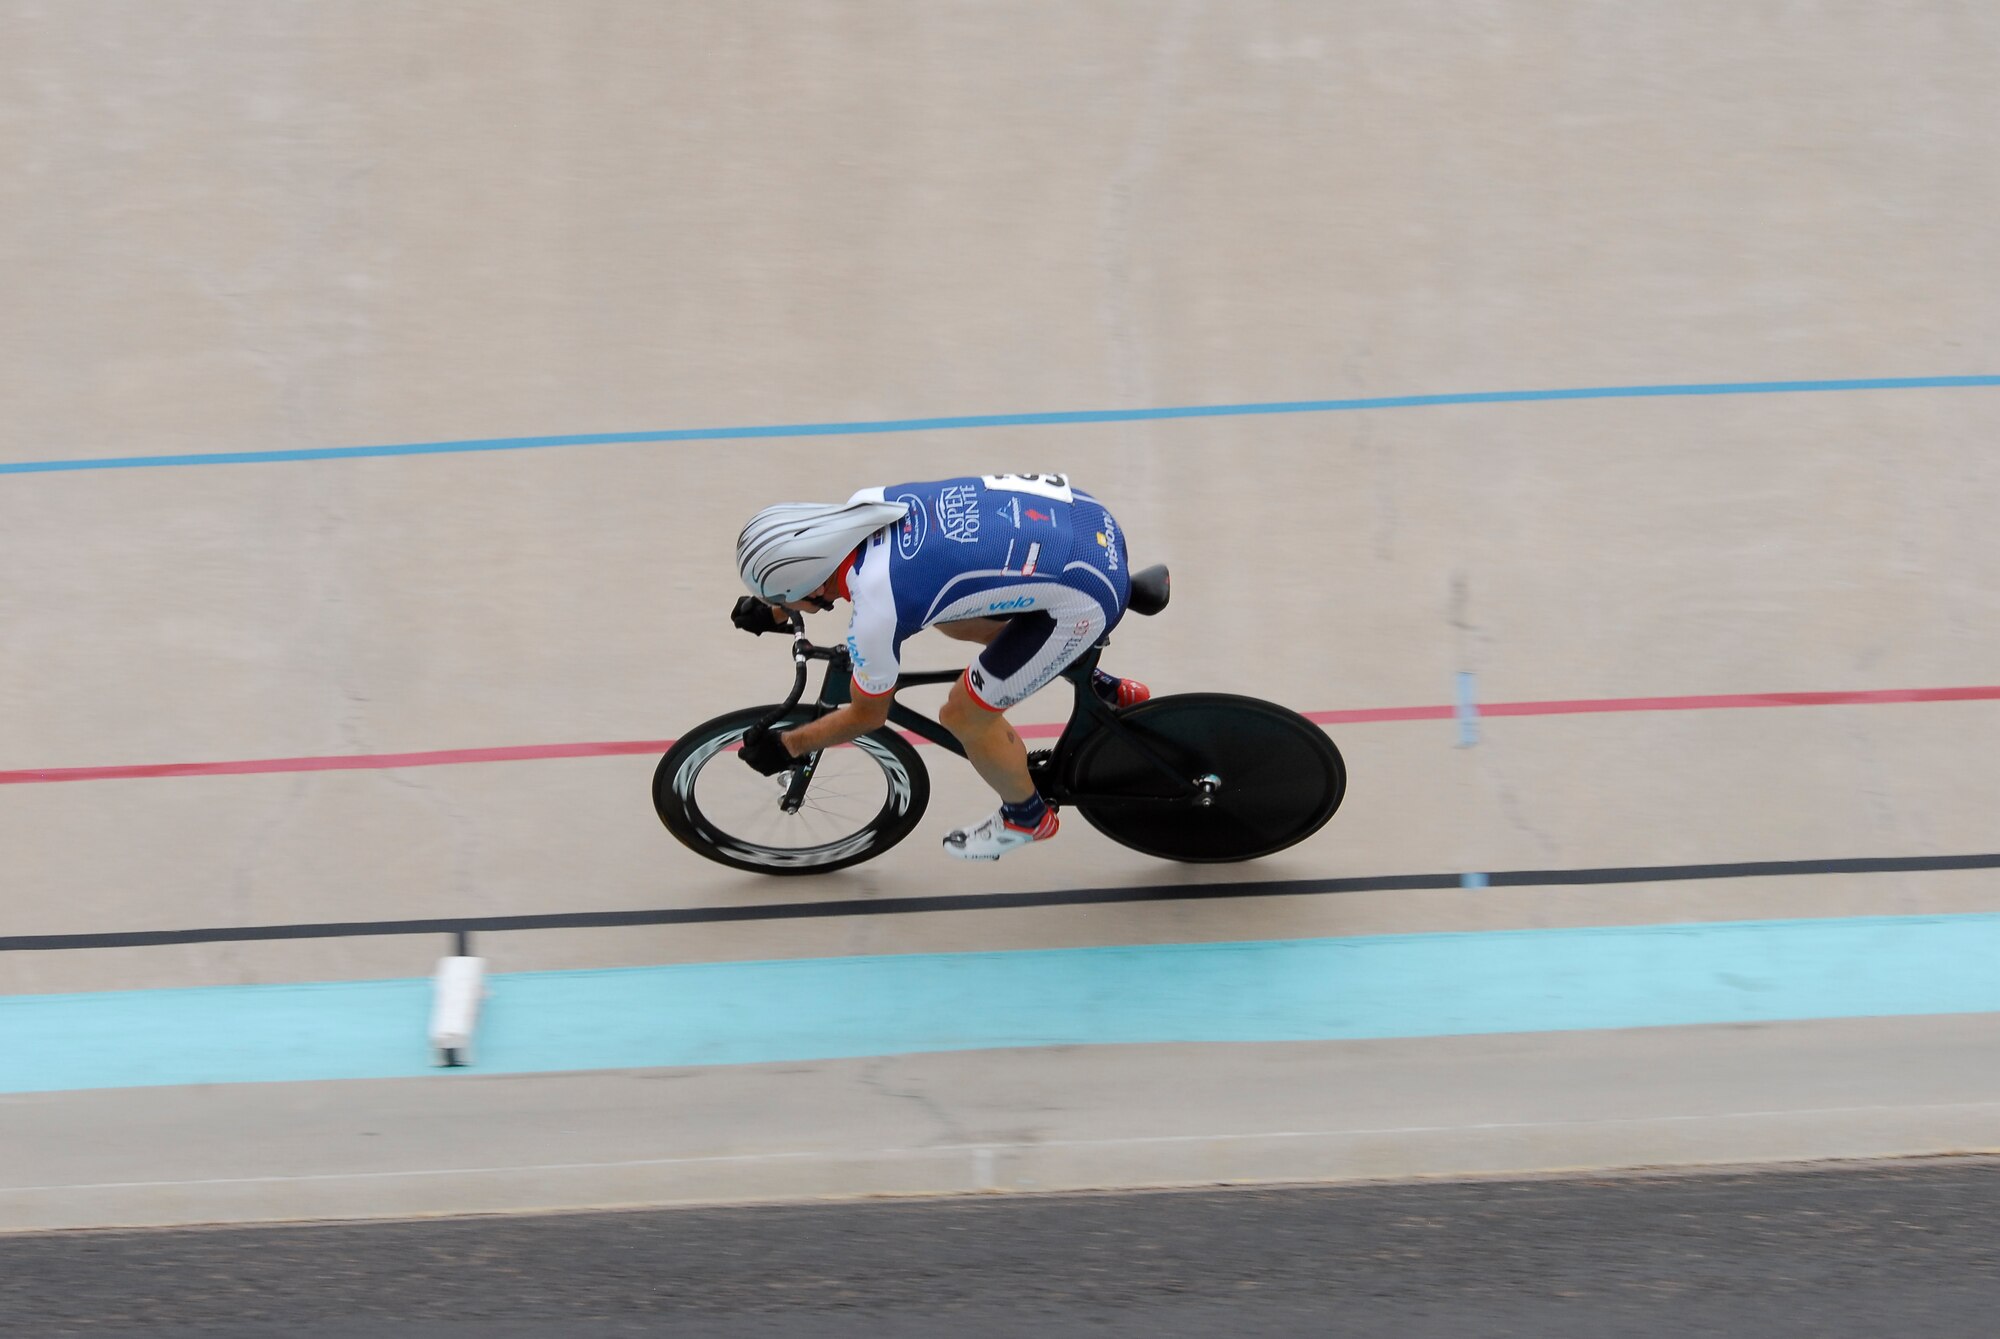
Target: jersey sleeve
[(872, 641)]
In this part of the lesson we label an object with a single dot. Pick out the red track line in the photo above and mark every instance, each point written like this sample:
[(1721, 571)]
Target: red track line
[(1365, 715), (1730, 700), (353, 762)]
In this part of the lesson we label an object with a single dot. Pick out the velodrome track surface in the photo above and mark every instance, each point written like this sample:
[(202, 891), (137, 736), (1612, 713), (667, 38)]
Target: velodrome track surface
[(1586, 415)]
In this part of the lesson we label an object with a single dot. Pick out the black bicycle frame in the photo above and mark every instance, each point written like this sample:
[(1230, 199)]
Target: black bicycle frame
[(1089, 713)]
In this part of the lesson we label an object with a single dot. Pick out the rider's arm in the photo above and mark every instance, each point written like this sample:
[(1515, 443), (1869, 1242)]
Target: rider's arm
[(873, 644), (851, 720)]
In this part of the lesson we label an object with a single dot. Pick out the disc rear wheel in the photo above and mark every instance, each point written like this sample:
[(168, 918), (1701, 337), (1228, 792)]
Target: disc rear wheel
[(1209, 777)]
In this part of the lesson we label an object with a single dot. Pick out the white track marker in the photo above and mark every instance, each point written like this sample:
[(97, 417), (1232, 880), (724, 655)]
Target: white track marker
[(459, 986)]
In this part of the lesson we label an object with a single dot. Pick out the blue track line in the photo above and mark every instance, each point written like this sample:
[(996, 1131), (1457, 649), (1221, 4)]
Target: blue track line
[(1466, 709), (802, 1009), (964, 421)]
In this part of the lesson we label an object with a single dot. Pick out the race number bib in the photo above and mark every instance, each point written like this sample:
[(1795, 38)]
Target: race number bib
[(1055, 487)]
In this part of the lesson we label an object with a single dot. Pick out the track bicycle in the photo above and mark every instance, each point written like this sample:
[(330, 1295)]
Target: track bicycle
[(1191, 776)]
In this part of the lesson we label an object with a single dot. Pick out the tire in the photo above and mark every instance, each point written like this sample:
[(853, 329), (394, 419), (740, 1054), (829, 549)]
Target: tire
[(862, 799), (1280, 778)]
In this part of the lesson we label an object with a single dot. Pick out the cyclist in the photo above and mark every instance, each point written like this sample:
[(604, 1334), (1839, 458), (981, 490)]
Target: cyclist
[(1030, 568)]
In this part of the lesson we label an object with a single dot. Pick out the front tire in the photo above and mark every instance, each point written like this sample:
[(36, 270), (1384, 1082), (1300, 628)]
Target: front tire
[(1276, 778), (861, 800)]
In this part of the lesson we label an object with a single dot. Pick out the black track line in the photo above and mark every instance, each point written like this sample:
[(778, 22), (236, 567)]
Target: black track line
[(1073, 897)]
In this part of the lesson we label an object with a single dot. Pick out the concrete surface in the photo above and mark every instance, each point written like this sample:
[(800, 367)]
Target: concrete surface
[(233, 228), (1022, 1120)]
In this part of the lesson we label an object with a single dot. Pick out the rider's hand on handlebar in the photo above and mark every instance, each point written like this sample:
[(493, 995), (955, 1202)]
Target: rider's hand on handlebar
[(766, 752), (753, 615)]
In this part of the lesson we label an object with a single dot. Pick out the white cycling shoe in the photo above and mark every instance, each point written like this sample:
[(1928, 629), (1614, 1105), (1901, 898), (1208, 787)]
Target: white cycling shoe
[(995, 837)]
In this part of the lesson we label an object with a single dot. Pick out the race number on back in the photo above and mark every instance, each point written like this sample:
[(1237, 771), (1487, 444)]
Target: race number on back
[(1052, 486)]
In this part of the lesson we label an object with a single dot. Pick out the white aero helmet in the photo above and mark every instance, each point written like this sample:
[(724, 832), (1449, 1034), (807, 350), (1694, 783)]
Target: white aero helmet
[(788, 551)]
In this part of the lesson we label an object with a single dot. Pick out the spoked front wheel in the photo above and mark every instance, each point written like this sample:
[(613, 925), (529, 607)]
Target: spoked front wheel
[(1209, 777), (860, 800)]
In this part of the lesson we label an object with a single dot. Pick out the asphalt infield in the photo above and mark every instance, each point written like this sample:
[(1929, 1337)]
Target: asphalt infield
[(1833, 1251)]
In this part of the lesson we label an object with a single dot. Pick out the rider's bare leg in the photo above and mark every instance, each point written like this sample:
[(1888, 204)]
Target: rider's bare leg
[(991, 745)]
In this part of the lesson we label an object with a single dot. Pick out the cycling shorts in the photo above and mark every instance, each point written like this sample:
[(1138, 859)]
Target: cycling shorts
[(1070, 618)]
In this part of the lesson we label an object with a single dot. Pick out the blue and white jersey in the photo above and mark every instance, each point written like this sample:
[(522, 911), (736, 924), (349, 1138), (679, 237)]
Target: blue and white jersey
[(978, 547)]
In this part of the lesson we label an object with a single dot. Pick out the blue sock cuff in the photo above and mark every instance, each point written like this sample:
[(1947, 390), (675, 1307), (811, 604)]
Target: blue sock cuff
[(1027, 813)]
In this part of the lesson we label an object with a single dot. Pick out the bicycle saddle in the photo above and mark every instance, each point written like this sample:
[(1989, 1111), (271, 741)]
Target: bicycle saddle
[(1151, 589)]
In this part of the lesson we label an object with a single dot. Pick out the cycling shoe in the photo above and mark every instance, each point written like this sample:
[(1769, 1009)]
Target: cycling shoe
[(995, 836)]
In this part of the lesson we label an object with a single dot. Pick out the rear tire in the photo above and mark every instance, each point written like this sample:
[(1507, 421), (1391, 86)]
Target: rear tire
[(1278, 778), (863, 798)]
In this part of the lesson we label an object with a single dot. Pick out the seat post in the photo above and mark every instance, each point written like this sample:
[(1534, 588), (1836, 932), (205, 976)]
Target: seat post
[(1078, 670)]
